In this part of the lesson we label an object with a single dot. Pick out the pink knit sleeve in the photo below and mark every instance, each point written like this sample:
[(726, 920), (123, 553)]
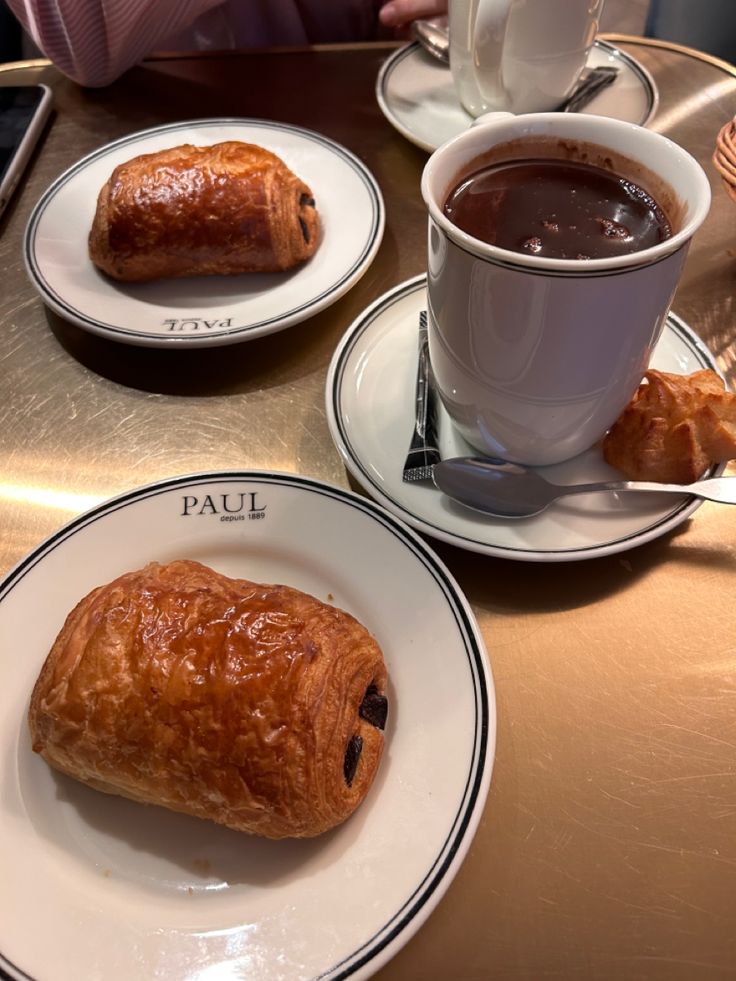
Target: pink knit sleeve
[(95, 41)]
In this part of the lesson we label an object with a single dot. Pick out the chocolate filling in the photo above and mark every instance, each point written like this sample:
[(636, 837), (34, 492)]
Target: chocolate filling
[(305, 200), (305, 230), (352, 755), (374, 707)]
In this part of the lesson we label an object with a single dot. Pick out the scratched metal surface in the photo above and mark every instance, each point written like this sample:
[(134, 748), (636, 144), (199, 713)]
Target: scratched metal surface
[(608, 846)]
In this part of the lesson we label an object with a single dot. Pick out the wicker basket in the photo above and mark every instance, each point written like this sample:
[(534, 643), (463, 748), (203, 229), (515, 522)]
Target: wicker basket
[(724, 157)]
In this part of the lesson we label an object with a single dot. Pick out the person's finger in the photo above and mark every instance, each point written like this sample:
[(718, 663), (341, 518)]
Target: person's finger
[(398, 12)]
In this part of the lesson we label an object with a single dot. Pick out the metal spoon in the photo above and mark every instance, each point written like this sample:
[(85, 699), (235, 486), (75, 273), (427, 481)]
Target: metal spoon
[(433, 37), (432, 34), (506, 490)]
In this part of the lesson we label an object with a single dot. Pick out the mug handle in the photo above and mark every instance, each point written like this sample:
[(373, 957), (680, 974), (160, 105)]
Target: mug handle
[(488, 36)]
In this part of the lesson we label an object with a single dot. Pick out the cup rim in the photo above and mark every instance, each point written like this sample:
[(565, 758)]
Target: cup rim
[(508, 257)]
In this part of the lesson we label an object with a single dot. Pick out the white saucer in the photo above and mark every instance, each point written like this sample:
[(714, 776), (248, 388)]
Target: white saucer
[(370, 404), (96, 886), (415, 93), (205, 311)]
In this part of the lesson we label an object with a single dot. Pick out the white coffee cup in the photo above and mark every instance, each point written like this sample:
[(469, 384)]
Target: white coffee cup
[(535, 357), (519, 55)]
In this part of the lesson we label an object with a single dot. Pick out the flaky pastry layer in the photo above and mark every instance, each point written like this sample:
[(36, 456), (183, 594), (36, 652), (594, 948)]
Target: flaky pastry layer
[(256, 706), (194, 211), (674, 428)]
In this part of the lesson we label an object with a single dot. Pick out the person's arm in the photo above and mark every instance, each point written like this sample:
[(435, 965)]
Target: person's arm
[(95, 41), (398, 13)]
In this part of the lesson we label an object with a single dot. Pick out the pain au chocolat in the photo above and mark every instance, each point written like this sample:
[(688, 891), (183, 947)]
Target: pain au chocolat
[(192, 211), (256, 706)]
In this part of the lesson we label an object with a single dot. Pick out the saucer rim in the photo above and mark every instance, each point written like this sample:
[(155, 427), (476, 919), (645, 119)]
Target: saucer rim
[(412, 47), (660, 525), (67, 302)]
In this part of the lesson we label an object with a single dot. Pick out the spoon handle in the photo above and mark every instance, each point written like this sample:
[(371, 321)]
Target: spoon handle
[(597, 80), (720, 489), (507, 490), (432, 35)]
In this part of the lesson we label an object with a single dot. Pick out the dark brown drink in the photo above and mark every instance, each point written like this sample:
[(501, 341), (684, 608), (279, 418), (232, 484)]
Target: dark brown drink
[(560, 209)]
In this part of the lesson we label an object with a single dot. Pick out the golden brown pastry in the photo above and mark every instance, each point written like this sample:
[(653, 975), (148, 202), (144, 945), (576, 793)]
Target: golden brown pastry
[(197, 211), (256, 706), (724, 157), (674, 428)]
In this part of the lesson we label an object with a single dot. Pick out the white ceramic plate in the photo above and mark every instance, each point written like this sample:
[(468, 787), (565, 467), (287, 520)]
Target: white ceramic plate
[(415, 93), (370, 404), (95, 886), (204, 311)]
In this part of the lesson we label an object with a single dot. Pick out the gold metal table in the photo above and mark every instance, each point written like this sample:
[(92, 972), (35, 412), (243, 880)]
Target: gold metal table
[(608, 845)]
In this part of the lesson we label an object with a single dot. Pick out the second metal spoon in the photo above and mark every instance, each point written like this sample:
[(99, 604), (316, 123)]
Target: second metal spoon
[(506, 490)]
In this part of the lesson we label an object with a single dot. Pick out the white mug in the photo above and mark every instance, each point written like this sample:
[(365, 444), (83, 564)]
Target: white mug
[(519, 55), (535, 357)]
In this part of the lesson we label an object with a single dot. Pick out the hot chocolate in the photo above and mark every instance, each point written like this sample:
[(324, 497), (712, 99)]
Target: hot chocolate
[(558, 209)]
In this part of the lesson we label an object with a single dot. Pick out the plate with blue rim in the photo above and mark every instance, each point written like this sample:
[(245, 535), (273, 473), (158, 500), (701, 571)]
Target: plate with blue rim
[(205, 311), (415, 93), (370, 399), (121, 890)]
